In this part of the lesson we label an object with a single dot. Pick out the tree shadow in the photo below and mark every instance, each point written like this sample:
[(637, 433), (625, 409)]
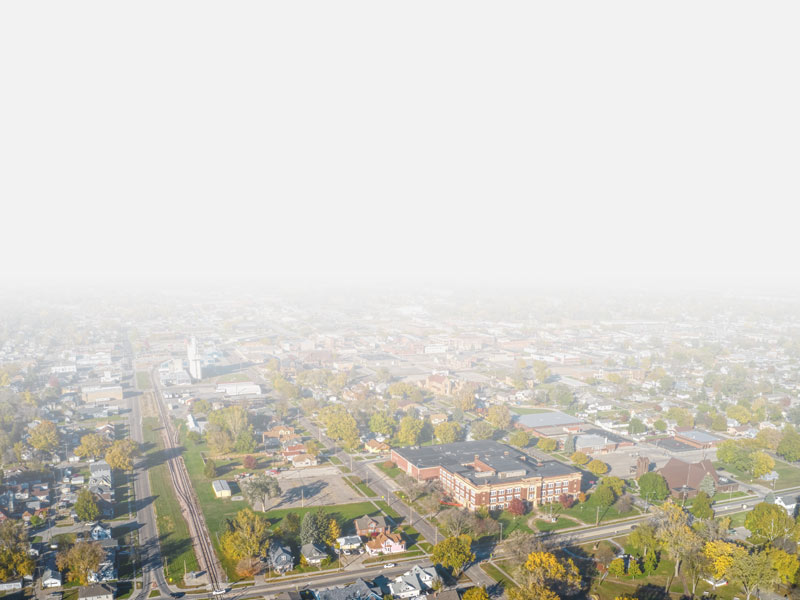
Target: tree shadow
[(297, 494)]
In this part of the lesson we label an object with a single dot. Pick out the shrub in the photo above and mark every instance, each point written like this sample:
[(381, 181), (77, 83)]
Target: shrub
[(249, 462)]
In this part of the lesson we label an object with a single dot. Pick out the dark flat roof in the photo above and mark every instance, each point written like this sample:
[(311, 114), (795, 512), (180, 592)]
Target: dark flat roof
[(503, 459)]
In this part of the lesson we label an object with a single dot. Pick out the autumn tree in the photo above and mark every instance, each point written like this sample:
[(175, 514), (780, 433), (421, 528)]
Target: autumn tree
[(768, 522), (545, 577), (481, 430), (120, 454), (499, 416), (410, 431), (546, 444), (93, 445), (674, 534), (789, 446), (44, 436), (762, 464), (519, 438), (249, 462), (598, 467), (579, 458), (516, 507), (382, 422), (453, 553), (617, 567), (80, 560), (247, 535), (476, 593), (14, 558)]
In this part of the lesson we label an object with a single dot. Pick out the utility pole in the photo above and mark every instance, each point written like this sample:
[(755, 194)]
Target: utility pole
[(597, 519)]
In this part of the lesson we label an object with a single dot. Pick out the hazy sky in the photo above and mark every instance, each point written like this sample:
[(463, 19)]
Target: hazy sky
[(550, 140)]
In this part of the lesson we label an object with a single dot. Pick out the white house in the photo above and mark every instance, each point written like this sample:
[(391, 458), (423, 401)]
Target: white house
[(51, 578), (413, 583)]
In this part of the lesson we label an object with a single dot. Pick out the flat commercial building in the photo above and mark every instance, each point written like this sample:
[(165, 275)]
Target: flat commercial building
[(698, 438), (486, 473), (550, 424), (102, 393)]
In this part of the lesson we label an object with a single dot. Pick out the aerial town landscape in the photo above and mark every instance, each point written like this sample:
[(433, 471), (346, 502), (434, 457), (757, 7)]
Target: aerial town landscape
[(399, 446)]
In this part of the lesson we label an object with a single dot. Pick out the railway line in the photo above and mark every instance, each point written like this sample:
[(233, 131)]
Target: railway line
[(204, 550)]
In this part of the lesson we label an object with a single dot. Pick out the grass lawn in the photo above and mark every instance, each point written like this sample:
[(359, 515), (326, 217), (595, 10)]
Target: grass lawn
[(143, 380), (232, 378), (390, 471), (388, 510), (588, 512), (497, 575), (335, 460), (176, 544), (561, 523), (512, 523), (737, 519), (788, 475)]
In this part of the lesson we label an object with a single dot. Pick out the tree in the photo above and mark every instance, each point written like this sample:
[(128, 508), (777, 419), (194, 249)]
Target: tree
[(314, 527), (14, 559), (465, 399), (546, 444), (456, 522), (769, 439), (653, 487), (382, 423), (476, 593), (290, 525), (499, 416), (719, 422), (44, 436), (762, 463), (636, 426), (86, 506), (120, 454), (708, 485), (516, 507), (768, 522), (80, 560), (719, 554), (603, 497), (340, 425), (701, 507), (519, 438), (579, 458), (789, 446), (617, 567), (540, 371), (569, 444), (410, 430), (334, 532), (447, 432), (785, 564), (93, 445), (615, 483), (245, 442), (752, 571), (219, 440), (660, 425), (454, 553), (481, 430), (249, 462), (643, 540), (543, 576), (261, 488), (210, 469), (247, 536), (598, 467)]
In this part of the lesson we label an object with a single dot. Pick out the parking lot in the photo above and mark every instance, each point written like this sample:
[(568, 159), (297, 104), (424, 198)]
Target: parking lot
[(317, 486), (620, 462)]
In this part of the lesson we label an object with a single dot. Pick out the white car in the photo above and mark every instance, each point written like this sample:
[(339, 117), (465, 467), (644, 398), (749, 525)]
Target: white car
[(389, 565)]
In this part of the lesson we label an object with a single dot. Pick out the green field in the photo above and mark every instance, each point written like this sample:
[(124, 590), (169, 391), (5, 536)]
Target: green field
[(588, 512), (143, 380), (497, 575), (788, 475), (561, 523), (391, 471), (176, 544)]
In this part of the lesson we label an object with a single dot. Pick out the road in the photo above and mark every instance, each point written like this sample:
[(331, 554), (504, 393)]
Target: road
[(151, 563)]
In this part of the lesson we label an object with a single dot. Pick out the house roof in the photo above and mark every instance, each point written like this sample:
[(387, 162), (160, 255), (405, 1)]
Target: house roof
[(547, 419), (313, 551), (97, 589), (359, 590), (364, 522), (701, 437), (680, 474)]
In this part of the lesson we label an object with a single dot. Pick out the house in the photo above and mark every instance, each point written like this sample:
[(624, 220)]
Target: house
[(303, 460), (279, 431), (10, 585), (358, 590), (51, 578), (349, 542), (100, 469), (438, 418), (376, 447), (789, 503), (100, 532), (367, 526), (280, 558), (386, 543), (221, 488), (413, 583), (98, 591), (684, 479), (313, 554)]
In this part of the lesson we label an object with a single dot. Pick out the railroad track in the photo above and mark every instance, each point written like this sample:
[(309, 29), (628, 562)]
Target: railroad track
[(191, 509)]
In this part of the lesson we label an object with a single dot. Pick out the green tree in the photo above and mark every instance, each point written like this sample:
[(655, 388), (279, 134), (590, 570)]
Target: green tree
[(340, 425), (261, 489), (481, 430), (603, 497), (634, 570), (763, 464), (636, 426), (708, 485), (540, 371), (753, 571), (86, 506), (546, 444), (701, 507), (653, 487), (660, 425), (789, 446), (617, 567), (93, 445), (569, 444), (382, 423), (210, 469), (519, 438), (447, 432), (719, 422), (410, 432), (245, 442), (499, 416), (314, 527), (768, 522), (453, 553)]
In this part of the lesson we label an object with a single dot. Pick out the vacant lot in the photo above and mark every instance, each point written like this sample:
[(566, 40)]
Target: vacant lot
[(314, 487)]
